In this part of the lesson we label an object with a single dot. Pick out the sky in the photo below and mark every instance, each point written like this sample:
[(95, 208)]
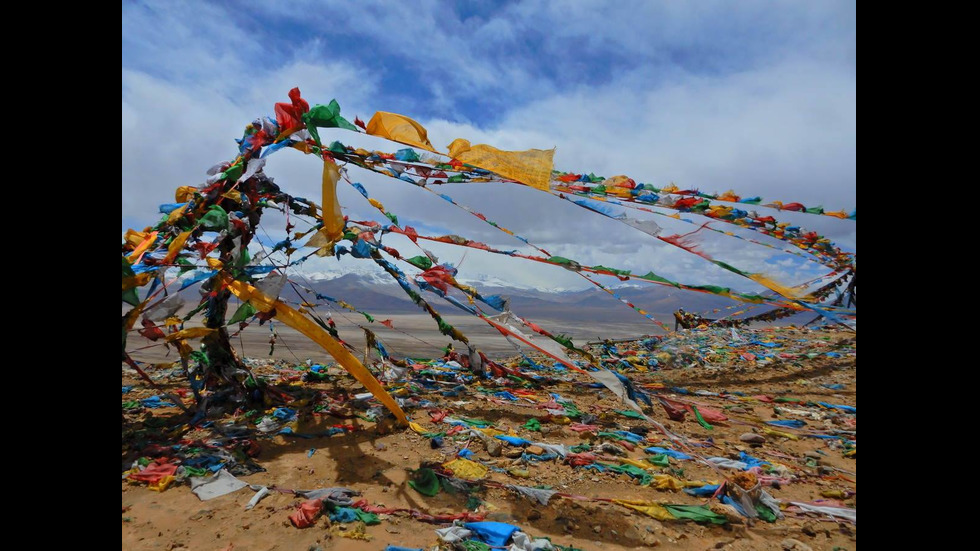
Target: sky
[(755, 96)]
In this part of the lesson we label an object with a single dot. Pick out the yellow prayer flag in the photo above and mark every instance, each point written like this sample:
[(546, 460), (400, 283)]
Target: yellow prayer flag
[(175, 247), (466, 469), (185, 193), (191, 333), (137, 280), (399, 128), (141, 248), (176, 214), (774, 285), (135, 238), (648, 508), (314, 332), (531, 167), (333, 219)]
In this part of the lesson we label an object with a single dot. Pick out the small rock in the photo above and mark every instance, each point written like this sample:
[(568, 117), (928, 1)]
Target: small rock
[(514, 452), (808, 530), (790, 544), (535, 450), (597, 529), (494, 447), (813, 454), (752, 438), (379, 446), (203, 513)]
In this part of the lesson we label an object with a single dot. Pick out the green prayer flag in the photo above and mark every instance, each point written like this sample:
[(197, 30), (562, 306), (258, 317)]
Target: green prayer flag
[(234, 172), (215, 219), (420, 262), (660, 460), (426, 482), (369, 519), (338, 148), (129, 296), (765, 513), (325, 116), (650, 276), (701, 421), (697, 513), (634, 471), (244, 312)]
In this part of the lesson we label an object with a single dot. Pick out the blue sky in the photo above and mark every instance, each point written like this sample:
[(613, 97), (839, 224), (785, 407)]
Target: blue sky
[(759, 97)]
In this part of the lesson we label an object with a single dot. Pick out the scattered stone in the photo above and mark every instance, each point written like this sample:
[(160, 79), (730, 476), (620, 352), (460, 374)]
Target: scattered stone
[(597, 529), (203, 513), (790, 544), (752, 438), (494, 447), (535, 450)]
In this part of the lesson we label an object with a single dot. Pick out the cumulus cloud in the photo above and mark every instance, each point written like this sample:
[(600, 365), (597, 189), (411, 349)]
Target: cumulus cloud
[(758, 97)]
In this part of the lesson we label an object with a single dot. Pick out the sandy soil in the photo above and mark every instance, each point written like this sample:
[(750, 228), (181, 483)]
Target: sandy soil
[(415, 335), (378, 461)]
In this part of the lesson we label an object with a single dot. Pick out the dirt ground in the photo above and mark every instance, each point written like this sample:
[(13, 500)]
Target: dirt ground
[(378, 461)]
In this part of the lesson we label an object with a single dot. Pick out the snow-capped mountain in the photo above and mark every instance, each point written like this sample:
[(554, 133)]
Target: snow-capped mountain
[(378, 294)]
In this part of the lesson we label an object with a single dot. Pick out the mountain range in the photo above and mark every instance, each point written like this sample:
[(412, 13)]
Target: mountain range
[(379, 295)]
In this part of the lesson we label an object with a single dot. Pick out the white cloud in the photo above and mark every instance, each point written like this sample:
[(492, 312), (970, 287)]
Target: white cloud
[(761, 99)]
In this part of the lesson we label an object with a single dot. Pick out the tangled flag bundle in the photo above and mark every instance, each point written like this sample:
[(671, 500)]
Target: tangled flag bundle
[(204, 237)]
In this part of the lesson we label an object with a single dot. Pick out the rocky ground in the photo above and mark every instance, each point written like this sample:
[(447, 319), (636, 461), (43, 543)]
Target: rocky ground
[(736, 385)]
